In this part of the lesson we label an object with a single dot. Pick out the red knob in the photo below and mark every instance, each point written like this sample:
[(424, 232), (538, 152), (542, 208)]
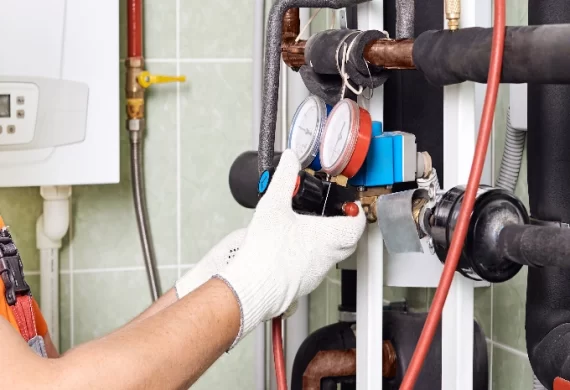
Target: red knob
[(350, 209), (297, 185)]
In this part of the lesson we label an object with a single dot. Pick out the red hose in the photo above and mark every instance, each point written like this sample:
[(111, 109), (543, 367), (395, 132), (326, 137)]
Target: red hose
[(134, 28), (278, 356), (468, 203)]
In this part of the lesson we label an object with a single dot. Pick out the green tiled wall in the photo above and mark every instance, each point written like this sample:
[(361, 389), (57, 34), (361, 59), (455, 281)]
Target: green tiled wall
[(195, 130)]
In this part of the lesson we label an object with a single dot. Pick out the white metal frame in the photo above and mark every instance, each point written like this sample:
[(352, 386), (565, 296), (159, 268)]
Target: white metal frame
[(462, 107)]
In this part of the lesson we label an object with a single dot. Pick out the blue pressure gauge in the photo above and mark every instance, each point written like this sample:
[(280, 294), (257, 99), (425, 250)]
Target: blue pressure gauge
[(306, 130)]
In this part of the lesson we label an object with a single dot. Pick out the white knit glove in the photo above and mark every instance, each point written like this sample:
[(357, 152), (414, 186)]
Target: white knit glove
[(286, 255), (217, 258)]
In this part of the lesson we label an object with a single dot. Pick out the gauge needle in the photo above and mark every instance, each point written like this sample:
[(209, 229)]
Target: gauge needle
[(307, 131), (339, 135)]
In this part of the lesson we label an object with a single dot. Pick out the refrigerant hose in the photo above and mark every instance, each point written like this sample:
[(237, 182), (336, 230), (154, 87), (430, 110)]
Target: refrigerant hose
[(141, 211)]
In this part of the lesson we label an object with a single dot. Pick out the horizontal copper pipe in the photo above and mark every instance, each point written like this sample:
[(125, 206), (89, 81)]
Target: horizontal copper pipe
[(388, 53), (335, 364)]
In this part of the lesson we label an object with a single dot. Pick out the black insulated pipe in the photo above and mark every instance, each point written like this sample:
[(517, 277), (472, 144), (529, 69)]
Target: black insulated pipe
[(273, 68), (548, 295), (536, 246), (533, 54)]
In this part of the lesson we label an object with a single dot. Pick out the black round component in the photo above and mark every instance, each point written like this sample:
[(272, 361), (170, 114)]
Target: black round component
[(494, 209), (244, 178), (309, 194)]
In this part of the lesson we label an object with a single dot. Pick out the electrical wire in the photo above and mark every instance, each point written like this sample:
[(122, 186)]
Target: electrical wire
[(468, 203), (278, 356)]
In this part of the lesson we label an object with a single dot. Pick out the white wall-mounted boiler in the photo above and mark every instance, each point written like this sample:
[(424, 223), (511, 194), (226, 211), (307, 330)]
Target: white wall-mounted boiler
[(59, 92)]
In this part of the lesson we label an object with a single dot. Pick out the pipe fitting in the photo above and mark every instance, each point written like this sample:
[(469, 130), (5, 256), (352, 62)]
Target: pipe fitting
[(52, 226), (134, 91), (453, 13)]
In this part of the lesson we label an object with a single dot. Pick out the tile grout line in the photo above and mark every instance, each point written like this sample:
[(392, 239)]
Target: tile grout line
[(178, 150), (120, 269), (199, 60), (71, 294), (506, 348)]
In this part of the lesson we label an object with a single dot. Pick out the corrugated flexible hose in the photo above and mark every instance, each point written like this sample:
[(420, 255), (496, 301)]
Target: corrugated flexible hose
[(141, 211), (512, 157)]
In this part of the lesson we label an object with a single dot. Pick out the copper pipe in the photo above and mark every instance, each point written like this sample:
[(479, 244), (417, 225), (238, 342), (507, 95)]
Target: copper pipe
[(329, 364), (388, 53), (335, 364), (389, 359)]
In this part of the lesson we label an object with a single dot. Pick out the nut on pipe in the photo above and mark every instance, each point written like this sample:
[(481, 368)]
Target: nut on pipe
[(453, 13)]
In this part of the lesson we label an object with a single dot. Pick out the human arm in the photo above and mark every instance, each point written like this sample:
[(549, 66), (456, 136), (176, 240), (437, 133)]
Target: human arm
[(168, 350)]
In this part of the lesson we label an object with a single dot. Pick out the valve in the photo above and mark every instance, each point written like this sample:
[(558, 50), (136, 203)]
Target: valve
[(313, 195), (145, 79)]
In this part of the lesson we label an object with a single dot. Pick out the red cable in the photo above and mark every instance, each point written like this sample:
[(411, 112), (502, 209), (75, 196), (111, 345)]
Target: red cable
[(134, 28), (278, 356), (468, 203)]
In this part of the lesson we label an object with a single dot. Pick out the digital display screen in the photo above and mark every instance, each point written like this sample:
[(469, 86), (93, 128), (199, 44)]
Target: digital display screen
[(4, 106)]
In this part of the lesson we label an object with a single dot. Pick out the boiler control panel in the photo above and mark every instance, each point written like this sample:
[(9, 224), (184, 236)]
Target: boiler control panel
[(18, 112)]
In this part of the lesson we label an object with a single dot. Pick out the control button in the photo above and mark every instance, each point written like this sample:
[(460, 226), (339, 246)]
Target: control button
[(11, 129), (20, 114), (20, 100)]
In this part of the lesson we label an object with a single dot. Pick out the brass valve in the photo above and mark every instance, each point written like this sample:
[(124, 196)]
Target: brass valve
[(453, 13), (146, 79)]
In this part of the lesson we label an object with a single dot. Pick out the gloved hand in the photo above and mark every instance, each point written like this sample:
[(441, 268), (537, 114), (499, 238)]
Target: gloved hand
[(215, 260), (285, 255)]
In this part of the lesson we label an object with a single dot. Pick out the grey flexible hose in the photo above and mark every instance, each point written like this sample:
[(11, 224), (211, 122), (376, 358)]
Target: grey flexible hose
[(141, 211), (536, 385), (273, 69), (512, 157)]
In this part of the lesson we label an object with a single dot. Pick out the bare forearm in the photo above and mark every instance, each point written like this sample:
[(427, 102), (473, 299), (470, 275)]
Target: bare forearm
[(168, 350), (162, 303)]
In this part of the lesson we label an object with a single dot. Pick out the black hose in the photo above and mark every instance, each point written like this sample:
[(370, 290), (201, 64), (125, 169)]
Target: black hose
[(141, 211), (548, 295), (533, 54)]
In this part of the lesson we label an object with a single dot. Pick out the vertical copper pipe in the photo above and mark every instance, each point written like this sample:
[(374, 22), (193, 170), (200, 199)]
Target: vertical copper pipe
[(134, 23)]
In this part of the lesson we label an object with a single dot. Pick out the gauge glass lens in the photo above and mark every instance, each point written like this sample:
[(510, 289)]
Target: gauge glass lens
[(308, 122), (336, 139)]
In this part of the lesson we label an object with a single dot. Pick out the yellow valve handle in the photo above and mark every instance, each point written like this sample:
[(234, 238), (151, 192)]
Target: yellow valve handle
[(146, 79)]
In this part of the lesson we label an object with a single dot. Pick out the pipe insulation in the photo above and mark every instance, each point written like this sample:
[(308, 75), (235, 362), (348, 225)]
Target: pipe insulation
[(512, 157), (536, 246), (273, 69), (548, 295), (405, 18), (533, 54)]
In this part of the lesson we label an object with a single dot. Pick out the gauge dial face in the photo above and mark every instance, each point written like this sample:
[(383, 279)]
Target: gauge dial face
[(339, 137), (306, 129)]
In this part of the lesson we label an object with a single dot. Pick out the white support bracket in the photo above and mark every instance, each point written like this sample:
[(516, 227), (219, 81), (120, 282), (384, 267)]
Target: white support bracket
[(51, 227)]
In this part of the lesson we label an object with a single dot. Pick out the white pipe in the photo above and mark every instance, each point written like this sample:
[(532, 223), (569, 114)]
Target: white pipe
[(297, 327), (49, 288), (257, 77), (51, 227)]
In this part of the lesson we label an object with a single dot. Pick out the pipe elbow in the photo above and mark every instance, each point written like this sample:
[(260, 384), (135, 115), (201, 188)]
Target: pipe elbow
[(53, 225)]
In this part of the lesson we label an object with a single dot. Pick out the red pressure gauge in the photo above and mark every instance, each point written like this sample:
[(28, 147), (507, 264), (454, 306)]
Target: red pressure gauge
[(346, 139)]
